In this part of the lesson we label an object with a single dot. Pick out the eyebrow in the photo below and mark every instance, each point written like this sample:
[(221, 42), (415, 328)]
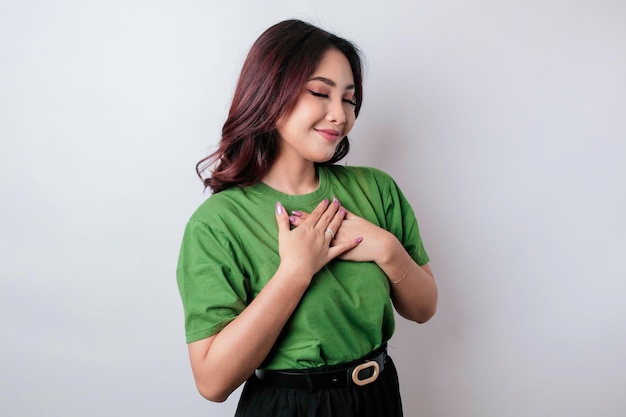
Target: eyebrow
[(331, 83)]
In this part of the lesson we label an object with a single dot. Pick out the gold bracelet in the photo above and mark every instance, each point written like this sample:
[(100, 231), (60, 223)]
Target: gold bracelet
[(405, 274)]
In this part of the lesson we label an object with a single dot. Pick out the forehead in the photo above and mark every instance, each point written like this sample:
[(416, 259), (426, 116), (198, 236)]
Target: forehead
[(335, 66)]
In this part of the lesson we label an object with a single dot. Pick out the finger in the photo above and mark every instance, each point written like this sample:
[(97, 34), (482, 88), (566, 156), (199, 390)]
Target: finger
[(350, 215), (297, 217), (300, 214), (335, 222), (344, 247), (316, 214), (329, 234), (329, 214), (282, 219), (296, 221)]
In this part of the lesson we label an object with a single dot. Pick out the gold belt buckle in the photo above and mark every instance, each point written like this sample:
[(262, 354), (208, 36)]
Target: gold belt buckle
[(372, 378)]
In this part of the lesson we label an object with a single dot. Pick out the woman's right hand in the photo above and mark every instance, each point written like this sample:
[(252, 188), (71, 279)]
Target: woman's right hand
[(306, 249), (223, 361)]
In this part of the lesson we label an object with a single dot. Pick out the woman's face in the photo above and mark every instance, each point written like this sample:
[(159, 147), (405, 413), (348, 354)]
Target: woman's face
[(323, 114)]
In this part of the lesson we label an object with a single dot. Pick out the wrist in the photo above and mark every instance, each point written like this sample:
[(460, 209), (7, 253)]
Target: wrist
[(390, 250), (294, 272), (408, 269), (396, 262)]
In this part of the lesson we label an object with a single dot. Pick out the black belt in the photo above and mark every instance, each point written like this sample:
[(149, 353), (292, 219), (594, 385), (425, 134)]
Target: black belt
[(358, 373)]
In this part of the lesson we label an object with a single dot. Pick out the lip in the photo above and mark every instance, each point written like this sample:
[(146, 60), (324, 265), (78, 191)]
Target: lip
[(331, 135)]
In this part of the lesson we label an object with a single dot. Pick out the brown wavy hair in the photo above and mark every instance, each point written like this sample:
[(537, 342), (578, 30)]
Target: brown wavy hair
[(271, 79)]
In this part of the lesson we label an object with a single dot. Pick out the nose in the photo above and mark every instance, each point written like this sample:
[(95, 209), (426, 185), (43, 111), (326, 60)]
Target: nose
[(336, 112)]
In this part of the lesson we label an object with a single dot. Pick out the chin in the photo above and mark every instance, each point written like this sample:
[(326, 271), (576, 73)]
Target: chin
[(323, 160), (327, 156), (321, 155)]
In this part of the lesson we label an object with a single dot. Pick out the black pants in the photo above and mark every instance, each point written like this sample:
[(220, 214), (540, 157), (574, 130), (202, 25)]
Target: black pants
[(380, 398)]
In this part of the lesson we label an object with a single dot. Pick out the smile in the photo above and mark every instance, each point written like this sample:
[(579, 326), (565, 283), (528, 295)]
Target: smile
[(329, 134)]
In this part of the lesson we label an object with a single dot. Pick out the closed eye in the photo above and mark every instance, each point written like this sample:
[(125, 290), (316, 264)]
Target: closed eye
[(351, 102), (316, 94)]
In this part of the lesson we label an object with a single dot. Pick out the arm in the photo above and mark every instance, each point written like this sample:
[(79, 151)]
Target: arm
[(222, 362), (413, 288), (415, 296)]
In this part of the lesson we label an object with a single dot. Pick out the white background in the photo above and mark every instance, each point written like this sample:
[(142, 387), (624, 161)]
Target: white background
[(503, 122)]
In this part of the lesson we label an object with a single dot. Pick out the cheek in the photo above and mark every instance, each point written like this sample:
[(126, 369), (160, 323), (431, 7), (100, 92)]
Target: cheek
[(349, 123)]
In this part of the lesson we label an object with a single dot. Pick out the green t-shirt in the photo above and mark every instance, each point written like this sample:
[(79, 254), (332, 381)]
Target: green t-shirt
[(230, 251)]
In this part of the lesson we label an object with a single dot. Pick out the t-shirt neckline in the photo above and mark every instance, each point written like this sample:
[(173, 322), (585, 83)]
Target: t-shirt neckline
[(313, 197)]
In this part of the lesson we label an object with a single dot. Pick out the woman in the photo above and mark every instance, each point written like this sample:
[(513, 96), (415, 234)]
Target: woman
[(288, 271)]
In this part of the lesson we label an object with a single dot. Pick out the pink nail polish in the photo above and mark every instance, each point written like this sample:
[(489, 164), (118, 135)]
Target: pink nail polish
[(279, 208), (297, 213), (342, 211), (358, 240), (292, 219)]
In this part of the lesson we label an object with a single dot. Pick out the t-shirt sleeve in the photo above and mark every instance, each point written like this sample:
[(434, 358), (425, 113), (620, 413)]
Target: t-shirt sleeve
[(212, 285), (402, 222)]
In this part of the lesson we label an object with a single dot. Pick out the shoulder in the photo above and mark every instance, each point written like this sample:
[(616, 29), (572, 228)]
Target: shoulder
[(218, 206), (359, 173)]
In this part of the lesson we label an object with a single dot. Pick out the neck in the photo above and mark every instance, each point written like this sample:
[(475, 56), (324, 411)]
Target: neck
[(292, 180)]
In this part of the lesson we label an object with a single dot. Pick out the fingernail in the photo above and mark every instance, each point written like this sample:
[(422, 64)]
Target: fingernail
[(358, 240), (279, 208), (336, 201), (342, 211), (292, 219), (297, 213), (325, 201)]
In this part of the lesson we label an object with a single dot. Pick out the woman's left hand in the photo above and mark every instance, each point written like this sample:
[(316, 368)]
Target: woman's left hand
[(415, 295), (375, 244)]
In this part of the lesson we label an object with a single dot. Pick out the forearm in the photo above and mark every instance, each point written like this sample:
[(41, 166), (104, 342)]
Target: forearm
[(413, 288), (236, 351)]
